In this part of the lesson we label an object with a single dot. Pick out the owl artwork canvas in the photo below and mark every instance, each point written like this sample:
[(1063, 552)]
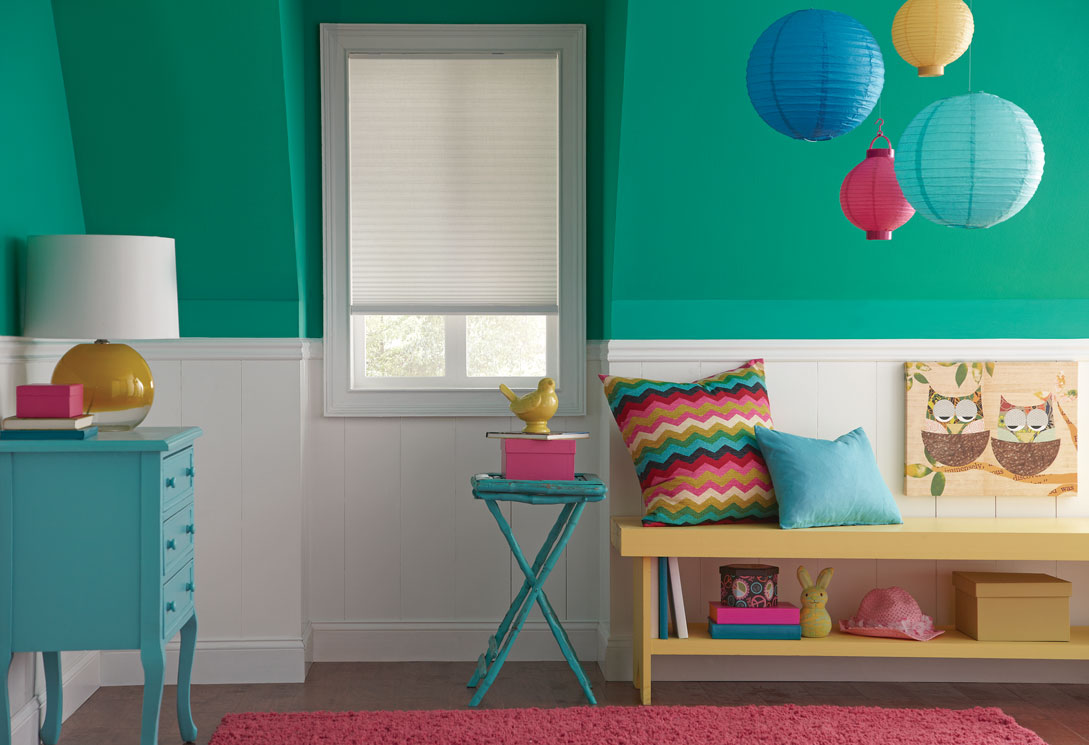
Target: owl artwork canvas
[(991, 428)]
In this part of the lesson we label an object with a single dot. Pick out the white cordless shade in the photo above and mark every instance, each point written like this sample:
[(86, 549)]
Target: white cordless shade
[(101, 287), (454, 182)]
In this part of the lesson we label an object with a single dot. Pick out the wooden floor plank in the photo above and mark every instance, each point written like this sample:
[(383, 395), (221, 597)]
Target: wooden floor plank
[(1058, 713)]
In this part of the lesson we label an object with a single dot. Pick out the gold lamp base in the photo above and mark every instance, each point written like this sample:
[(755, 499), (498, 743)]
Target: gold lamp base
[(117, 384)]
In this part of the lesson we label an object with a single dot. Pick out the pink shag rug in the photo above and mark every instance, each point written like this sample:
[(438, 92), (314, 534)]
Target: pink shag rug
[(621, 725)]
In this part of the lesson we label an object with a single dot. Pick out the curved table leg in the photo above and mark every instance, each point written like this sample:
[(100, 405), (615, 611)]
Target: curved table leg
[(153, 657), (185, 674), (54, 705)]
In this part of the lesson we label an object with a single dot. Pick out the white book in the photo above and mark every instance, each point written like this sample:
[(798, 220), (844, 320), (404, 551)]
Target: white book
[(680, 619), (76, 422)]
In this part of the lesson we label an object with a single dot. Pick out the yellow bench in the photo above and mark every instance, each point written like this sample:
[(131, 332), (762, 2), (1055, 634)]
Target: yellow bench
[(1046, 539)]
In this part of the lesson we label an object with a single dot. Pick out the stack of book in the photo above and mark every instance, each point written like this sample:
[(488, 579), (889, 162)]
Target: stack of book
[(782, 621), (49, 428), (670, 600)]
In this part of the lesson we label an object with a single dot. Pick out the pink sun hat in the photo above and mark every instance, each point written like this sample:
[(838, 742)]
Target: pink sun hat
[(891, 612)]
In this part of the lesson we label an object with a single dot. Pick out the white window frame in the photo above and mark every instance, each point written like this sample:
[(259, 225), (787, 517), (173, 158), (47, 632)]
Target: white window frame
[(338, 41)]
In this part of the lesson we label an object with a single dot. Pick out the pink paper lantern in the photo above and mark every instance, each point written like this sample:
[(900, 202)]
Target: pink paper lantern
[(870, 195)]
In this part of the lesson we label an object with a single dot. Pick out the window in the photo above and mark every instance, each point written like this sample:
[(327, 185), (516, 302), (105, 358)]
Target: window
[(453, 192)]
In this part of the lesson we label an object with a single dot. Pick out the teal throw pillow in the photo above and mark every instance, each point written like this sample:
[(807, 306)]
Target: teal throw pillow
[(826, 482)]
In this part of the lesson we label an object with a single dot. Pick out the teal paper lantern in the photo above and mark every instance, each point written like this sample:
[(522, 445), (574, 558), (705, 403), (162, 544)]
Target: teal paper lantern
[(815, 74), (970, 161)]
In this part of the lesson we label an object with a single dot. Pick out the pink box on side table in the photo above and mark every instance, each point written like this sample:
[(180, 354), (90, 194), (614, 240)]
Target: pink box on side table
[(539, 460), (48, 401)]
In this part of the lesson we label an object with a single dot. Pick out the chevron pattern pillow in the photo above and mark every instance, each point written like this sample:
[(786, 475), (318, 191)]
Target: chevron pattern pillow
[(694, 445)]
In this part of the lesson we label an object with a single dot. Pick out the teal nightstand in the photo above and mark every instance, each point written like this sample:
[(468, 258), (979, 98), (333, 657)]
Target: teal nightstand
[(96, 552)]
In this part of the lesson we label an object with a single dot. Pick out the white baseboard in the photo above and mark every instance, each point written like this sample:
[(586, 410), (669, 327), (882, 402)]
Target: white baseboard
[(229, 661), (78, 683), (618, 666), (602, 645), (443, 641), (26, 721)]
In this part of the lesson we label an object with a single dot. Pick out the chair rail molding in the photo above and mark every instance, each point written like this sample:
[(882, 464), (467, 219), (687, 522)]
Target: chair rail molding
[(845, 350), (22, 349)]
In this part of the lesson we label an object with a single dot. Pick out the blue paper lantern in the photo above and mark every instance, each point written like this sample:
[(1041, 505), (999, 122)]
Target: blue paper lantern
[(815, 74), (970, 161)]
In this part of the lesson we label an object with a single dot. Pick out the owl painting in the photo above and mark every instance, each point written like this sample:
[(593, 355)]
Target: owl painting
[(1025, 441), (954, 432), (990, 428)]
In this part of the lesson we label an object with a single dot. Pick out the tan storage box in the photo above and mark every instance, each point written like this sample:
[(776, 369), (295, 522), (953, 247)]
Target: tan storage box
[(1001, 606)]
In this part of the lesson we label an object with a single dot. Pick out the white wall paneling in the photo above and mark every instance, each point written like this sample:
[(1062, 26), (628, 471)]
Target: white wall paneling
[(324, 469), (367, 528), (211, 393), (372, 522), (272, 511), (400, 549), (825, 388)]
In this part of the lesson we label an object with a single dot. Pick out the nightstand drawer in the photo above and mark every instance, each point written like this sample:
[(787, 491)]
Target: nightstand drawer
[(177, 599), (177, 475), (178, 530)]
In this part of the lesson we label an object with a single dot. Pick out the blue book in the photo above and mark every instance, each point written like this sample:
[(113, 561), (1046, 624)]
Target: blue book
[(49, 434), (663, 597), (754, 630)]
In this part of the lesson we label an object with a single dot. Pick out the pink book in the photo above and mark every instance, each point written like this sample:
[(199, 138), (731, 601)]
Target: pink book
[(784, 613)]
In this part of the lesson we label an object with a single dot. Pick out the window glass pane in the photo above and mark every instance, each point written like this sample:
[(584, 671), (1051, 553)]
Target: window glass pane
[(497, 346), (404, 346)]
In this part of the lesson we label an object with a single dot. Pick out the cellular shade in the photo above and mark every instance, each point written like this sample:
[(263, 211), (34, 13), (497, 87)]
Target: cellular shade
[(101, 287), (453, 179), (970, 161)]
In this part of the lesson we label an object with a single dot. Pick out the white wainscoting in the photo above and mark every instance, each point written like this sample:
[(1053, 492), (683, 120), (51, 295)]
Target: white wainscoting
[(405, 565), (824, 388), (247, 396), (358, 538), (338, 538)]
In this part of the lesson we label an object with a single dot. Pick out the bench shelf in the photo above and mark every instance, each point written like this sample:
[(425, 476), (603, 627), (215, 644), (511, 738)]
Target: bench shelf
[(951, 644), (964, 539)]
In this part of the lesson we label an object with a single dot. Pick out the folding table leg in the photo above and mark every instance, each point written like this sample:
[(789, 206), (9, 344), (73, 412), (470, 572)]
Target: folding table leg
[(495, 641), (536, 589), (556, 627)]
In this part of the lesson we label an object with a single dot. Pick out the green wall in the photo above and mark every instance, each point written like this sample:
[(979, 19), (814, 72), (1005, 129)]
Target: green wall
[(589, 12), (728, 229), (201, 121), (180, 122), (39, 192)]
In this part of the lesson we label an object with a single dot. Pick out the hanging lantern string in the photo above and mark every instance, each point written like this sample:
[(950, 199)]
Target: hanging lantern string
[(880, 135), (972, 10)]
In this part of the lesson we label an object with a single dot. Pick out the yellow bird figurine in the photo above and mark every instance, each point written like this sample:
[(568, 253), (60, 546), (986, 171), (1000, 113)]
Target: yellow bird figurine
[(535, 408)]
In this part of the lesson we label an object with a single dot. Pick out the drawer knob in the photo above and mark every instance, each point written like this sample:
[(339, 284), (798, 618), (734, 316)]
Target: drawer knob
[(191, 529), (170, 606), (170, 482), (190, 471), (170, 544), (190, 587)]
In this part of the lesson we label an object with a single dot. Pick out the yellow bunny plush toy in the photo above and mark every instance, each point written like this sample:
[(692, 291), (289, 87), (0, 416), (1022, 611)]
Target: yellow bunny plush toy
[(816, 622)]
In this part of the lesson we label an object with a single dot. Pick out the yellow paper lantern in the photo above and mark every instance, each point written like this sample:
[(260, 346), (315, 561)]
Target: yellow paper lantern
[(929, 34)]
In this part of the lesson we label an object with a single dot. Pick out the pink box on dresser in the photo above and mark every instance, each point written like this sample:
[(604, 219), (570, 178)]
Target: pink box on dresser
[(48, 401), (539, 460)]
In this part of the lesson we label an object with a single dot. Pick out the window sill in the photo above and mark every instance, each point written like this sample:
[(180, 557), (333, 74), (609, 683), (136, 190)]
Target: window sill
[(438, 403)]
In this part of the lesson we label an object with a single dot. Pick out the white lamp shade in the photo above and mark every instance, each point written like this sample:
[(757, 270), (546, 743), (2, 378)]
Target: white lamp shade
[(101, 287)]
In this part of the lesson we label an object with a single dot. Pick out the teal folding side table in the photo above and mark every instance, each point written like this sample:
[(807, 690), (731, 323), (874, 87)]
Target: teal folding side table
[(573, 495)]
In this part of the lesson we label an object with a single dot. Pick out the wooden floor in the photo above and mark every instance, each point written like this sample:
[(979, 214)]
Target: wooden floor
[(1058, 713)]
